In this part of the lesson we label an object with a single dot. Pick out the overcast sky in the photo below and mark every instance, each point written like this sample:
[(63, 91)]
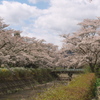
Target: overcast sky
[(46, 19)]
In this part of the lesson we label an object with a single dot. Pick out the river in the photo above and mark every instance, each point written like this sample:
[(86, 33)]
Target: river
[(31, 93)]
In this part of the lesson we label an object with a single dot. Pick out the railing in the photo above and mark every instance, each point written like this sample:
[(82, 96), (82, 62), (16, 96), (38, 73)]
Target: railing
[(68, 70)]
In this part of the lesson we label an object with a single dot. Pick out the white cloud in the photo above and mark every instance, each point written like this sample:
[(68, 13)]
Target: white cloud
[(61, 17), (50, 37), (16, 13), (36, 1)]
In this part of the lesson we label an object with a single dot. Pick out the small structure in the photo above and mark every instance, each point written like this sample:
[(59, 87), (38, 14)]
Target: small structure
[(70, 72)]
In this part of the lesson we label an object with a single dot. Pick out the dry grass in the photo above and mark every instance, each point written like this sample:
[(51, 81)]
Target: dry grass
[(81, 88)]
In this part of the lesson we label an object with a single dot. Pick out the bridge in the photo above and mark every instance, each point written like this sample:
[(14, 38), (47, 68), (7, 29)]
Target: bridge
[(70, 72)]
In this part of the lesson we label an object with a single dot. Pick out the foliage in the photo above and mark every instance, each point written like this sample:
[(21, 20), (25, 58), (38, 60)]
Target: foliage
[(87, 69), (40, 75), (98, 82), (83, 45), (97, 71), (81, 88), (16, 50)]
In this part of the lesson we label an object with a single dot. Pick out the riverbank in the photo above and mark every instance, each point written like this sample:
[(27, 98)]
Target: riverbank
[(29, 94)]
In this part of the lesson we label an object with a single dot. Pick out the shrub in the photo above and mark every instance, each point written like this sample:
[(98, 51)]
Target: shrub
[(40, 75), (81, 88), (5, 73), (87, 69), (98, 82), (97, 72)]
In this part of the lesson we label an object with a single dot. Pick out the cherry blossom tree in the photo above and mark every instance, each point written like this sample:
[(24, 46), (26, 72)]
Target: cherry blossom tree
[(16, 50), (84, 45)]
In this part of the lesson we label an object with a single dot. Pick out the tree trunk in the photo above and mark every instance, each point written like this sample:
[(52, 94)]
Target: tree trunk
[(92, 67)]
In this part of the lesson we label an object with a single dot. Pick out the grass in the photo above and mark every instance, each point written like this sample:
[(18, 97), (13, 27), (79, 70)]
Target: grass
[(81, 88)]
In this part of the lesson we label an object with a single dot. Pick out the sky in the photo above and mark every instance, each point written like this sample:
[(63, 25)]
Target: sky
[(47, 19)]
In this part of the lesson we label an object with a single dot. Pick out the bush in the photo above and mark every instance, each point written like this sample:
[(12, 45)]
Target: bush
[(87, 69), (5, 73), (18, 73), (98, 82), (43, 75), (97, 72), (81, 88)]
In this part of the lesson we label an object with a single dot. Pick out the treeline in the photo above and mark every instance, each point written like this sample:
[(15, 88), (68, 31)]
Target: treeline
[(79, 49)]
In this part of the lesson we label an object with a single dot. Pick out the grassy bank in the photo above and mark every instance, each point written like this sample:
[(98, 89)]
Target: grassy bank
[(39, 75), (81, 88)]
